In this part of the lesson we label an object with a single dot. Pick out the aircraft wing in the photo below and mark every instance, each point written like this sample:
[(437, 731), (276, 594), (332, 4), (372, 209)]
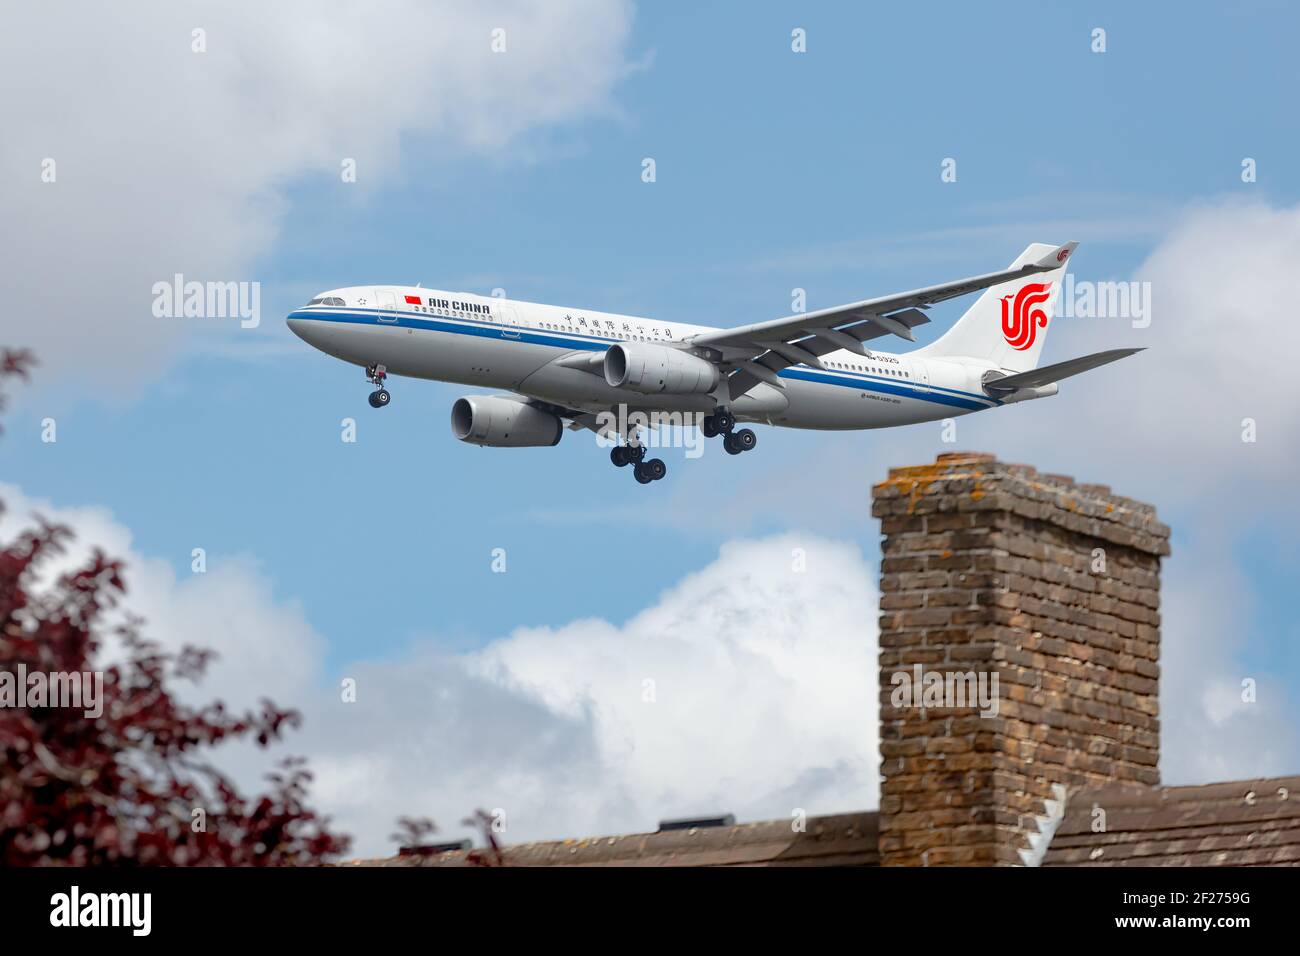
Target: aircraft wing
[(760, 350)]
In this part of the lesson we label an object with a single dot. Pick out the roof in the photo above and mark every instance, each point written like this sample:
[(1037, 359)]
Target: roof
[(1245, 823), (847, 839)]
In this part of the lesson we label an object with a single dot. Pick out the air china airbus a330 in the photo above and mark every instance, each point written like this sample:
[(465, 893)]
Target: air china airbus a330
[(578, 369)]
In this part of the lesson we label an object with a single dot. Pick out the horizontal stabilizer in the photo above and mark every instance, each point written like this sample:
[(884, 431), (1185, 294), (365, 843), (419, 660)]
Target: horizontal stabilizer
[(1054, 373)]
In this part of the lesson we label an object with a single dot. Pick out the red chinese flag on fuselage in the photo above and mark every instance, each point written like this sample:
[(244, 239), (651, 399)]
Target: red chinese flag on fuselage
[(412, 300)]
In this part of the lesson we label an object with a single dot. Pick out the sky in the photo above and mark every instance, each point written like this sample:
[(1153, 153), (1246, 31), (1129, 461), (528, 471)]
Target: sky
[(521, 170)]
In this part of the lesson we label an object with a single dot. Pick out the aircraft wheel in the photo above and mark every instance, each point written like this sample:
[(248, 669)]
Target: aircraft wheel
[(724, 421), (746, 439), (732, 445), (642, 474), (618, 455), (655, 468), (379, 398), (709, 427)]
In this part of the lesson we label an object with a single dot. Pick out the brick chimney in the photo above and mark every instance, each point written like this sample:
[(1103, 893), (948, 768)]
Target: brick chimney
[(1047, 591)]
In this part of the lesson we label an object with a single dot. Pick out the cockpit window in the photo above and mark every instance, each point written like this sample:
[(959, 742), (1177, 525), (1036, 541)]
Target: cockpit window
[(327, 300), (316, 302)]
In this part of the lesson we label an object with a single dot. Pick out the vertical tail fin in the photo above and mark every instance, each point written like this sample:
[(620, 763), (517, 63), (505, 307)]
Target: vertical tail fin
[(1008, 323)]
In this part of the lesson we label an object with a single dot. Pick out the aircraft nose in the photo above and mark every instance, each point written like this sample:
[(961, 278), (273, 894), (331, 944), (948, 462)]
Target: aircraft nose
[(297, 326)]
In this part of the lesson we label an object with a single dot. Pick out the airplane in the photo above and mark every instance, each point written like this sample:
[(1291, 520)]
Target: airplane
[(576, 369)]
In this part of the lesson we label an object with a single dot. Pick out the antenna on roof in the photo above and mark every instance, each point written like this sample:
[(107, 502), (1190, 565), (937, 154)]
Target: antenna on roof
[(696, 823), (433, 849)]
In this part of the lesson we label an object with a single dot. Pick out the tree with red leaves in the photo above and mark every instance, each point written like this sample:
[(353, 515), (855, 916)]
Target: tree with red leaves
[(130, 786)]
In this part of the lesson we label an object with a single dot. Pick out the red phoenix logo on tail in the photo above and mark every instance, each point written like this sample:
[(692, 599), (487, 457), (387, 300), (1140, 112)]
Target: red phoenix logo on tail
[(1020, 319)]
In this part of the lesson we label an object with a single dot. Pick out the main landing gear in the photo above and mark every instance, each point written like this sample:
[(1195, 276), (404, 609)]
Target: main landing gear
[(634, 455), (723, 423), (375, 375)]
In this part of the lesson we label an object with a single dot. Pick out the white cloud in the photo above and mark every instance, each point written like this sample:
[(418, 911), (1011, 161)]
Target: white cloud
[(174, 161), (764, 695), (266, 646), (763, 686), (1211, 730), (1220, 344), (759, 674)]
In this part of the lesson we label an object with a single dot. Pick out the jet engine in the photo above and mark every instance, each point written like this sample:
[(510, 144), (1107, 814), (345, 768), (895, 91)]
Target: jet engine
[(652, 369), (503, 423)]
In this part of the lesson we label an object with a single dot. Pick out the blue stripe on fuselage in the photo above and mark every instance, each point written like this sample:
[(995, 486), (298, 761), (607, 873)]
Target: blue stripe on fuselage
[(572, 341), (879, 385)]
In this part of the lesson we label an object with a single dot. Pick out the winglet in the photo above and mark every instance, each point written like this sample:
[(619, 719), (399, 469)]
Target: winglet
[(1056, 258)]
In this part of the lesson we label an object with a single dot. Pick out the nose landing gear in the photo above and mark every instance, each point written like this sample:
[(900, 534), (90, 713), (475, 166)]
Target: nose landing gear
[(375, 375)]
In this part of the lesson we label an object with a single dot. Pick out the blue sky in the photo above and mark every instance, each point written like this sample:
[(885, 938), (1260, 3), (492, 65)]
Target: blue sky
[(774, 171)]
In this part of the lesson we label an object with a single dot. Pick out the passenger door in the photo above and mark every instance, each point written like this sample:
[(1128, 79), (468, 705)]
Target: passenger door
[(510, 322), (386, 300), (921, 375)]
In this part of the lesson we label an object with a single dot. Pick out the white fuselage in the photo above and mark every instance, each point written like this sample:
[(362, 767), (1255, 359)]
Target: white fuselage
[(506, 344)]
